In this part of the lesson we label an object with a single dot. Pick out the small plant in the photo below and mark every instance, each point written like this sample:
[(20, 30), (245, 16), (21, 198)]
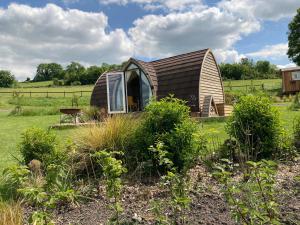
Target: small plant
[(40, 218), (12, 179), (75, 100), (296, 128), (252, 201), (176, 184), (112, 171), (38, 144), (18, 99), (296, 103)]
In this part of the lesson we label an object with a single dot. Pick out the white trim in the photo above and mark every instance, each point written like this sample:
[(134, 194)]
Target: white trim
[(123, 88), (290, 68), (296, 75)]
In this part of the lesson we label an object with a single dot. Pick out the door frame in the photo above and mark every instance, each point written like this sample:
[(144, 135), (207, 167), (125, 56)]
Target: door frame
[(124, 92)]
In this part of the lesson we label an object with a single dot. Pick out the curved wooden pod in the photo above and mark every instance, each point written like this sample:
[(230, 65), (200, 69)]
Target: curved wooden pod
[(190, 77)]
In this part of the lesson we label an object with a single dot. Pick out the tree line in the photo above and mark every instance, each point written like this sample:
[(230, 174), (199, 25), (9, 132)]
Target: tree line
[(248, 69), (73, 74)]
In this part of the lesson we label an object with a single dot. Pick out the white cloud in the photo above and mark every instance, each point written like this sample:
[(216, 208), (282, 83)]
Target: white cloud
[(261, 9), (286, 65), (228, 56), (159, 35), (172, 5), (29, 36), (274, 52)]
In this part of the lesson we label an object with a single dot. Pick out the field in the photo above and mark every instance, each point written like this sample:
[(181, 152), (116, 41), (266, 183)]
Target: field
[(43, 112)]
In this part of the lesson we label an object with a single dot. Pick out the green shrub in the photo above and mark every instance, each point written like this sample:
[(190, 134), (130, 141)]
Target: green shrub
[(167, 121), (255, 125), (11, 180), (296, 131), (38, 144)]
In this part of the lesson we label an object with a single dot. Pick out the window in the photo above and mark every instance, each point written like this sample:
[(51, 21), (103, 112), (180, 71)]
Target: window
[(115, 92), (296, 75), (132, 66)]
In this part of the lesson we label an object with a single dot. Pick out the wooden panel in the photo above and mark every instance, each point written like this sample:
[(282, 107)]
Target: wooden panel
[(288, 84), (210, 82)]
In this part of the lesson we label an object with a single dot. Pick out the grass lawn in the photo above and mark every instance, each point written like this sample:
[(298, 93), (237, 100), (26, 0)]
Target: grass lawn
[(269, 84), (11, 129)]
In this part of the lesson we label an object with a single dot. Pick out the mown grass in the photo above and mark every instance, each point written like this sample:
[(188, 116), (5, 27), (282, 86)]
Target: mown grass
[(11, 132)]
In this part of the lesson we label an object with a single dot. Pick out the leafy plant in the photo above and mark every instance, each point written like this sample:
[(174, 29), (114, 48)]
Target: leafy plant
[(112, 171), (167, 121), (12, 179), (40, 218), (177, 186), (38, 144), (252, 201), (255, 125), (296, 103)]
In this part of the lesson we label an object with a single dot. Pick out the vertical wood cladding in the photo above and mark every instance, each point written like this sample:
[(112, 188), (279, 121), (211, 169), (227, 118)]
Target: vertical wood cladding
[(189, 76), (210, 81), (99, 94)]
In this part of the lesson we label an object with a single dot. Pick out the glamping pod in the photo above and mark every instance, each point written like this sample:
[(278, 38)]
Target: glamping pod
[(194, 77)]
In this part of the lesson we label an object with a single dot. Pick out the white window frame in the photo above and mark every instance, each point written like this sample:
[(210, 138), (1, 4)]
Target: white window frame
[(108, 93), (296, 75)]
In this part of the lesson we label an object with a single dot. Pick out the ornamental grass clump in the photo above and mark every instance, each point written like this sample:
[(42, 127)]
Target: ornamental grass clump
[(114, 134)]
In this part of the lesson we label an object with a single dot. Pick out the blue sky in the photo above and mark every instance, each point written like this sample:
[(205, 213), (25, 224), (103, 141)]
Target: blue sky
[(96, 31)]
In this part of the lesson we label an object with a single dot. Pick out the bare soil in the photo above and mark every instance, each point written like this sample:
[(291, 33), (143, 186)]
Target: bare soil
[(208, 206)]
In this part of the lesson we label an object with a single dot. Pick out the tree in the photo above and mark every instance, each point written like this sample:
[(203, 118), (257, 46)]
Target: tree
[(294, 39), (91, 74), (7, 79), (48, 71), (73, 73)]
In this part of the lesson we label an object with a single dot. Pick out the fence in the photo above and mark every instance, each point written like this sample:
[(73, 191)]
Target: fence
[(251, 87), (47, 93)]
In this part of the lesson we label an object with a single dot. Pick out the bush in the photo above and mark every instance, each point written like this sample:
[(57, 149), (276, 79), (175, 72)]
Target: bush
[(38, 144), (11, 180), (255, 125), (6, 79), (166, 121)]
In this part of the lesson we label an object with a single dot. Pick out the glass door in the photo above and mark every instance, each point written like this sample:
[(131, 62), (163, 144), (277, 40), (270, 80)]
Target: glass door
[(115, 92)]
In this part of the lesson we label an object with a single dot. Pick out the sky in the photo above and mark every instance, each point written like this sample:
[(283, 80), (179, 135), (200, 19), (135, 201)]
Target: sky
[(96, 31)]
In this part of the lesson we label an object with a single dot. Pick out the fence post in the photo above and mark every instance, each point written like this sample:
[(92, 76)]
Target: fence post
[(47, 94), (80, 93), (30, 94), (64, 94), (246, 88)]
